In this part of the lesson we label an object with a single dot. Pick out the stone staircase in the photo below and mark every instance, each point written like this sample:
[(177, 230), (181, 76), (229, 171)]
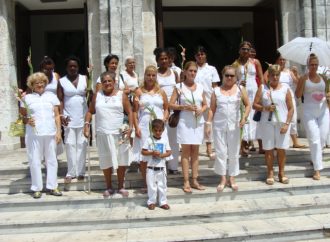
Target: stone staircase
[(299, 211)]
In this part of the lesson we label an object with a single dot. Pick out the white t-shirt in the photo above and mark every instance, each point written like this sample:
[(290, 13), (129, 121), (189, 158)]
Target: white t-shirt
[(206, 76), (42, 110), (131, 82), (161, 145)]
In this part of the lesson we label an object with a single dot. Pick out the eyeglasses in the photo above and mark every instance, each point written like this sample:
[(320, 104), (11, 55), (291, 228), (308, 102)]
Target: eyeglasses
[(245, 49), (228, 75), (107, 81)]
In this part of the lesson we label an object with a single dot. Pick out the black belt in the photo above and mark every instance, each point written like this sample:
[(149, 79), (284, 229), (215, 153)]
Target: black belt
[(156, 168)]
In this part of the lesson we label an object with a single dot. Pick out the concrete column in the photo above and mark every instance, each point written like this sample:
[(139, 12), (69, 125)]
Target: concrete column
[(133, 31), (322, 19), (149, 31), (8, 77)]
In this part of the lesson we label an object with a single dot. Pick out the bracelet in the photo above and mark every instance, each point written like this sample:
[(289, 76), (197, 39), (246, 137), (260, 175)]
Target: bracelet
[(87, 123), (287, 123), (208, 122)]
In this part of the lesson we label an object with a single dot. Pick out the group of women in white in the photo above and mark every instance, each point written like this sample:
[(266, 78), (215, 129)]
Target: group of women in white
[(124, 109)]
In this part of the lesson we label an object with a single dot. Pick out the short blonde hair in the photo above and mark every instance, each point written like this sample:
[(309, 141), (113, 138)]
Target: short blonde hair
[(274, 69), (38, 76)]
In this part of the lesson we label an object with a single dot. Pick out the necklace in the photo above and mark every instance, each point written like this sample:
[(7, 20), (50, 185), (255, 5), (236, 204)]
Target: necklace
[(107, 98)]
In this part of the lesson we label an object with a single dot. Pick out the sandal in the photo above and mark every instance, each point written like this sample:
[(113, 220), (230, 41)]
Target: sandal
[(123, 192), (270, 181), (233, 186), (283, 180), (197, 186), (165, 207), (108, 192), (220, 187), (67, 179), (299, 146), (316, 176), (187, 189), (151, 206)]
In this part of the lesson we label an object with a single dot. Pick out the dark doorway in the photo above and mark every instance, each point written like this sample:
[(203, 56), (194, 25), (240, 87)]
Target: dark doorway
[(221, 44), (61, 44)]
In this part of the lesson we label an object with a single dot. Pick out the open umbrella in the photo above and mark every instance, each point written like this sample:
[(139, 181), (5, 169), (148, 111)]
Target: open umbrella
[(300, 48)]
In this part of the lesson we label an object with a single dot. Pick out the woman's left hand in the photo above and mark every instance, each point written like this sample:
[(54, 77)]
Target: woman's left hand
[(284, 128), (242, 123), (127, 90)]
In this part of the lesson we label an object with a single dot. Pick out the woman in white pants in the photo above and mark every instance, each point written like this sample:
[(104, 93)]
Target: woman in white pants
[(109, 105), (43, 132), (316, 112), (275, 102), (72, 94), (226, 117), (208, 77)]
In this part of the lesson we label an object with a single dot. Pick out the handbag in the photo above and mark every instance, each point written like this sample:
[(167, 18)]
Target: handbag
[(257, 116), (17, 128), (174, 118)]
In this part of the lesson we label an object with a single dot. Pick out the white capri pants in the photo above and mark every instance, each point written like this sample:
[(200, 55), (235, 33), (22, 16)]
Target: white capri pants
[(316, 122), (227, 145), (76, 147), (208, 138), (111, 153), (157, 183), (271, 136), (171, 134), (39, 147)]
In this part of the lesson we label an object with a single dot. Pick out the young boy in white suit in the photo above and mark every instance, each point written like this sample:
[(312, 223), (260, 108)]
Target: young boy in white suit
[(155, 150)]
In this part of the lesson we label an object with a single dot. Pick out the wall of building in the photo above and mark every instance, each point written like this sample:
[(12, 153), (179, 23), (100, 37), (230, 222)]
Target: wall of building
[(8, 78)]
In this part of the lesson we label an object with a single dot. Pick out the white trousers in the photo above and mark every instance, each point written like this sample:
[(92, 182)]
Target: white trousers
[(39, 147), (227, 145), (173, 164), (316, 123), (157, 184), (76, 147)]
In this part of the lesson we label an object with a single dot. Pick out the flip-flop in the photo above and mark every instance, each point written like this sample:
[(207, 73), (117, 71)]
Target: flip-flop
[(198, 187), (283, 180), (220, 187), (270, 181)]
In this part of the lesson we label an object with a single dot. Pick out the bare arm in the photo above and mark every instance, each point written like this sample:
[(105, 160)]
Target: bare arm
[(259, 71), (165, 106), (88, 116), (301, 86), (58, 136), (247, 105), (288, 101)]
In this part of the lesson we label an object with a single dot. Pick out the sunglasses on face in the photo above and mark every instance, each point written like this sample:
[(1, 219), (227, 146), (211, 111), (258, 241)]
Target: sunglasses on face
[(245, 49), (229, 75), (107, 81)]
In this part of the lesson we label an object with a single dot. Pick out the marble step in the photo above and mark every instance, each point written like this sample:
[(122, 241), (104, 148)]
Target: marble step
[(82, 200), (134, 180), (21, 168), (287, 228)]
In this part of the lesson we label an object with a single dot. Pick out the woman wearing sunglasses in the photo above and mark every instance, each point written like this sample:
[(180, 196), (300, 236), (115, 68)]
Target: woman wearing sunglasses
[(227, 122), (248, 69)]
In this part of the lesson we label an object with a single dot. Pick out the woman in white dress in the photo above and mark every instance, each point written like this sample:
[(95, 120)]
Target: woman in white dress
[(167, 79), (225, 114), (208, 77), (288, 78), (72, 94), (150, 103), (275, 102), (43, 132), (109, 105), (315, 112), (248, 69), (190, 129)]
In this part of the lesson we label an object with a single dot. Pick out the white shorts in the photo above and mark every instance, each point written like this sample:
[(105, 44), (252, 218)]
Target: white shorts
[(271, 136), (111, 153)]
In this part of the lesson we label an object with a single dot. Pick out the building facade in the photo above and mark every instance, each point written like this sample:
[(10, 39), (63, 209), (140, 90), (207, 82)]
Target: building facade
[(92, 29)]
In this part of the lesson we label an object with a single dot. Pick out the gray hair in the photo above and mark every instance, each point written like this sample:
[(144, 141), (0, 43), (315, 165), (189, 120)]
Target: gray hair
[(128, 58)]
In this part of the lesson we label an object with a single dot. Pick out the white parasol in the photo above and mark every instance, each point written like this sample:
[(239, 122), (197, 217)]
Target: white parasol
[(299, 49)]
